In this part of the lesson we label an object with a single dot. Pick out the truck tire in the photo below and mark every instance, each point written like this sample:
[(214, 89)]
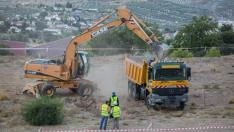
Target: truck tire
[(182, 106), (85, 90), (74, 90), (157, 107), (48, 90), (135, 92)]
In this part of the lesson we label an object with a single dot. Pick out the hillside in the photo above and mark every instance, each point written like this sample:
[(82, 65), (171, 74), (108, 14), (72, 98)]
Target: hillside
[(166, 13)]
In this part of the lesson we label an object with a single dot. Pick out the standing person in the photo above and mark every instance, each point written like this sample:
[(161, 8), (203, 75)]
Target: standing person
[(114, 100), (105, 114), (116, 115)]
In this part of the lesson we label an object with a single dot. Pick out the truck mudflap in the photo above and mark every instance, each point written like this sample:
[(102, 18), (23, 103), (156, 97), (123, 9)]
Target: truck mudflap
[(167, 101)]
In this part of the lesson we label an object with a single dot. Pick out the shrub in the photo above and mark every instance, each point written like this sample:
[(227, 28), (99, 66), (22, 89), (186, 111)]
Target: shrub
[(213, 52), (43, 111), (181, 53)]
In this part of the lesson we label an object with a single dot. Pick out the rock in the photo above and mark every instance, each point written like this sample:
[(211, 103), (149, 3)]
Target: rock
[(177, 114), (231, 101)]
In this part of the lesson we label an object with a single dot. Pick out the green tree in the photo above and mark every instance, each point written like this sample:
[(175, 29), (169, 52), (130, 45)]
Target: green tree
[(181, 53), (226, 27), (19, 37), (2, 18), (40, 25), (213, 52), (228, 37), (198, 33), (43, 14), (5, 26), (227, 33), (68, 5), (44, 111), (202, 31)]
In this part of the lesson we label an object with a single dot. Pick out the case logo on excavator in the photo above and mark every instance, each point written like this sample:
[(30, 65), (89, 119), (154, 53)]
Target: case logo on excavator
[(100, 31)]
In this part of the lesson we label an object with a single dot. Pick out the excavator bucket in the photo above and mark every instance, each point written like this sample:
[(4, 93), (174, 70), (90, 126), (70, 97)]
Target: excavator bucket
[(32, 88), (160, 50)]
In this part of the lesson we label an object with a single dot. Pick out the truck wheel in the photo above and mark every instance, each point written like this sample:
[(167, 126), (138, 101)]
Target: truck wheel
[(48, 90), (135, 92), (182, 105), (74, 90), (157, 107), (85, 90)]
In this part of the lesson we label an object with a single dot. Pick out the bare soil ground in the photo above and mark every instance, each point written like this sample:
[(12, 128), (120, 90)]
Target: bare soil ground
[(211, 100)]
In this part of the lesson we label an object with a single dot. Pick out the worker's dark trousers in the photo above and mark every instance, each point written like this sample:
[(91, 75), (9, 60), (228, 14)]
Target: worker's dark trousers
[(103, 122), (116, 123)]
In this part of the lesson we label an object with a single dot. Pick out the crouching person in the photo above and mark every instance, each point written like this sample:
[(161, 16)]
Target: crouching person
[(116, 115)]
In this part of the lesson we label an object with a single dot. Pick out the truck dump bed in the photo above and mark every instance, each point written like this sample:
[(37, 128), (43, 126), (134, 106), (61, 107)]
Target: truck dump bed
[(136, 69)]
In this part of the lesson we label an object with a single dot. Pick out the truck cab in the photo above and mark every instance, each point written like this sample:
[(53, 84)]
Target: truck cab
[(169, 82)]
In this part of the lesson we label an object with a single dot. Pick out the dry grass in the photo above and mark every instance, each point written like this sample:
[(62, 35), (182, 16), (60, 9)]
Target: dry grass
[(15, 109), (193, 105), (125, 124), (3, 97), (228, 113), (5, 114), (72, 111), (214, 113), (216, 86), (97, 123)]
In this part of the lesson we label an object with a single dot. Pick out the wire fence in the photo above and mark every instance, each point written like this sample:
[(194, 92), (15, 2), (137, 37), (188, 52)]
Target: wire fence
[(53, 52)]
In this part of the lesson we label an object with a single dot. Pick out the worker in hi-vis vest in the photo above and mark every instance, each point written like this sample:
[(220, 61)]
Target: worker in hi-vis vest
[(105, 110), (114, 100), (116, 115)]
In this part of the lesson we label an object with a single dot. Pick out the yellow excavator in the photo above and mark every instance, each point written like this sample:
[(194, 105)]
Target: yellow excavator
[(70, 73)]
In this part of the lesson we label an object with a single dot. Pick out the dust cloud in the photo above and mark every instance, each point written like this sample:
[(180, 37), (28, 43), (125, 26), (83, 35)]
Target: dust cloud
[(108, 74)]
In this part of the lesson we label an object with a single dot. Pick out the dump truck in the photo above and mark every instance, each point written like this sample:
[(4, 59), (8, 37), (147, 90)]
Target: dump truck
[(158, 83)]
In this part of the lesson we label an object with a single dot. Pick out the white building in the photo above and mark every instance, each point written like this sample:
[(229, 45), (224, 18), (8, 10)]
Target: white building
[(220, 23), (30, 29), (53, 31), (14, 29)]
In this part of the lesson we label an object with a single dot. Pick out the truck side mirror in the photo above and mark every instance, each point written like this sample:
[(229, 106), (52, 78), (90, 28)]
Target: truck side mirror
[(189, 73)]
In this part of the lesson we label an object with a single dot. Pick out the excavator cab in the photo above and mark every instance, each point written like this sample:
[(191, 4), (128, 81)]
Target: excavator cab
[(81, 67)]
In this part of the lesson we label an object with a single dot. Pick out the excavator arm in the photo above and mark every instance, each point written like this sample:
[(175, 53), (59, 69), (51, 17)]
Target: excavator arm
[(125, 17)]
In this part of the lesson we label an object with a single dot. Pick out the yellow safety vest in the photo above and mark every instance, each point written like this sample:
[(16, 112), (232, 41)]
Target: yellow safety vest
[(116, 111), (114, 100), (104, 110)]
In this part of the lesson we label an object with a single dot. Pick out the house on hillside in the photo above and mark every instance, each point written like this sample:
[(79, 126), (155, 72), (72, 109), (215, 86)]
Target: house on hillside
[(32, 29), (220, 23), (53, 31), (14, 29)]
